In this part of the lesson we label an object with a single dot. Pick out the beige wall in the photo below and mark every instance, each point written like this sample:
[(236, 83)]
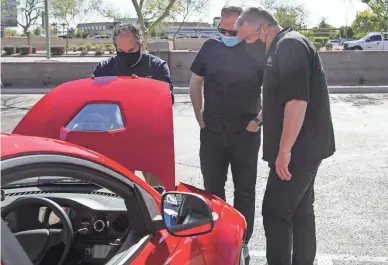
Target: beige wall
[(188, 44), (342, 68), (349, 67), (40, 43)]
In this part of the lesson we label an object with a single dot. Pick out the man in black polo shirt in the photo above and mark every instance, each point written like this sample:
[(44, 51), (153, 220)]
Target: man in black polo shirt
[(230, 134), (297, 135)]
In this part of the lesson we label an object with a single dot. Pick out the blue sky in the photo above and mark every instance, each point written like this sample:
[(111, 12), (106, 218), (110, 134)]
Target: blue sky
[(337, 12)]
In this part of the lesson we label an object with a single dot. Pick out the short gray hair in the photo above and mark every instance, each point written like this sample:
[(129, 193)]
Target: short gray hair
[(256, 16), (229, 10)]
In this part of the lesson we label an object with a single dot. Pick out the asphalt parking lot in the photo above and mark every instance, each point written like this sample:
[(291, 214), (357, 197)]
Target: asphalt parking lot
[(351, 188)]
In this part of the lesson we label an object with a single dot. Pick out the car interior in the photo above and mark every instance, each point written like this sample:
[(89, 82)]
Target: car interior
[(69, 220)]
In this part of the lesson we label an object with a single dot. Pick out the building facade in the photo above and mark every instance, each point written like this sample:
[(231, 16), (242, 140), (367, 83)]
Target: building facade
[(192, 32), (97, 27)]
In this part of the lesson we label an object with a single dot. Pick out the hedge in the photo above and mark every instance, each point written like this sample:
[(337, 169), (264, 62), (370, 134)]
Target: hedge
[(25, 50), (9, 50), (58, 50), (318, 45), (329, 46)]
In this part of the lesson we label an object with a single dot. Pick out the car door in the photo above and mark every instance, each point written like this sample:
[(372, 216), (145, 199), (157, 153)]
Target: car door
[(375, 42), (127, 120)]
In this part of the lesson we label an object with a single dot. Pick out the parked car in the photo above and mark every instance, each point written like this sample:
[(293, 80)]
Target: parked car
[(371, 41), (100, 37), (69, 197), (335, 42)]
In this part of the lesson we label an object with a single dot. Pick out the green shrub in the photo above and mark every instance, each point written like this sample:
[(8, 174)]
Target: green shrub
[(9, 50), (84, 51), (318, 45), (100, 50), (90, 47), (33, 50), (72, 48), (58, 50), (17, 50), (81, 47), (110, 48), (329, 46), (25, 50)]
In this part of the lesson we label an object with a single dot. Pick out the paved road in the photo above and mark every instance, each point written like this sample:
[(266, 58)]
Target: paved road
[(351, 187)]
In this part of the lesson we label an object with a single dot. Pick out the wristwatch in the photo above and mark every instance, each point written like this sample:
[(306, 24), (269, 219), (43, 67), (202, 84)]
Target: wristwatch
[(259, 122)]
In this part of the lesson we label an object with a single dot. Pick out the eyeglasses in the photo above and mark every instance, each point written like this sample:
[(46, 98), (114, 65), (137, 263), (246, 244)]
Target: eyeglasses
[(231, 33)]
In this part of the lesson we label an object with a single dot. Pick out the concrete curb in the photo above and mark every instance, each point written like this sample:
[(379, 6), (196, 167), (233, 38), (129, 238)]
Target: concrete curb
[(185, 90)]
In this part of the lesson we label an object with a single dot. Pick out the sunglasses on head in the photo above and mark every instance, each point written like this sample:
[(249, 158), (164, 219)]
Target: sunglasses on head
[(232, 33)]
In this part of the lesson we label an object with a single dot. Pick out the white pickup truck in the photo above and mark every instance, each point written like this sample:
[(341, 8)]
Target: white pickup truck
[(370, 42)]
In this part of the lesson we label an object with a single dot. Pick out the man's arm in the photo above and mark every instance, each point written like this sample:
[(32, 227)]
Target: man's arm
[(294, 74), (294, 70), (196, 84), (163, 74)]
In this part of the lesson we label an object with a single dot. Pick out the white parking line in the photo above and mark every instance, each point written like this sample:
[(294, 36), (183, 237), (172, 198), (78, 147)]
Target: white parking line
[(327, 259), (343, 104)]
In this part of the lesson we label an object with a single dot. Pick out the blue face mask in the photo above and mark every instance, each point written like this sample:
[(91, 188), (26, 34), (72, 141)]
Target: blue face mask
[(230, 41)]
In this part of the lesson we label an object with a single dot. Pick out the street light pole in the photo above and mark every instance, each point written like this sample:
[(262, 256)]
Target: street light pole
[(47, 26)]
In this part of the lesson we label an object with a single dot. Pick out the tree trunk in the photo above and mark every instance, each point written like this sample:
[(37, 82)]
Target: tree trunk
[(67, 44), (178, 30), (28, 35), (145, 40)]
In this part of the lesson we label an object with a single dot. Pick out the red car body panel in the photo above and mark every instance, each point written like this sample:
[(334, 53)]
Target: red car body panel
[(147, 140), (13, 145), (220, 247)]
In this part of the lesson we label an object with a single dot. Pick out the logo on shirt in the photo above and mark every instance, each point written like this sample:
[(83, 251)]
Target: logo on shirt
[(269, 61)]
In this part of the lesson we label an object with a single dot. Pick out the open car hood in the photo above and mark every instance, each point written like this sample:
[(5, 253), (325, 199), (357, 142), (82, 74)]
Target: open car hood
[(127, 120)]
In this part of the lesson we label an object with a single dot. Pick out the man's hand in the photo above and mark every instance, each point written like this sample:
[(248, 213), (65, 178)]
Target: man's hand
[(92, 76), (282, 162), (253, 127), (134, 76), (200, 121), (196, 83)]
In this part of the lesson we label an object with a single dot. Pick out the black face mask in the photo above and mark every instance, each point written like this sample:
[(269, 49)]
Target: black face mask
[(129, 59)]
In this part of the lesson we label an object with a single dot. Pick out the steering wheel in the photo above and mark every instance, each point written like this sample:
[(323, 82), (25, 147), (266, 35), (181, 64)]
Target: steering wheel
[(37, 242)]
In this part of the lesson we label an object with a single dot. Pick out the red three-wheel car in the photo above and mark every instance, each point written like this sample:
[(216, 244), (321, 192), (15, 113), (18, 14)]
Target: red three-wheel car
[(68, 195)]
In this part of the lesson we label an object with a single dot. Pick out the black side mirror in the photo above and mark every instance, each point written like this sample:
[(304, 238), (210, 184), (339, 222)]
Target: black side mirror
[(187, 214)]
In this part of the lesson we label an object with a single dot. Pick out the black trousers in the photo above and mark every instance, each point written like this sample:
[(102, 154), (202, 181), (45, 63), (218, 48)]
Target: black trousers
[(240, 150), (288, 214)]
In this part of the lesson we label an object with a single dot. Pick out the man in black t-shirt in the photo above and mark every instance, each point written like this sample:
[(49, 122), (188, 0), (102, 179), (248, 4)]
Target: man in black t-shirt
[(297, 135), (131, 60), (231, 73)]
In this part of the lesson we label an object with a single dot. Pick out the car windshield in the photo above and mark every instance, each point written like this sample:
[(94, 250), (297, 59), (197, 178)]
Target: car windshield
[(39, 181)]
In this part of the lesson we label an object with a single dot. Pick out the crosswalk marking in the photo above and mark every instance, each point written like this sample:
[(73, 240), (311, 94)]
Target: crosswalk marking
[(327, 259)]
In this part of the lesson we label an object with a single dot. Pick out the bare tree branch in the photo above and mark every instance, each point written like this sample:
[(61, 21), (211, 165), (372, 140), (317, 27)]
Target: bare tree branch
[(165, 14)]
